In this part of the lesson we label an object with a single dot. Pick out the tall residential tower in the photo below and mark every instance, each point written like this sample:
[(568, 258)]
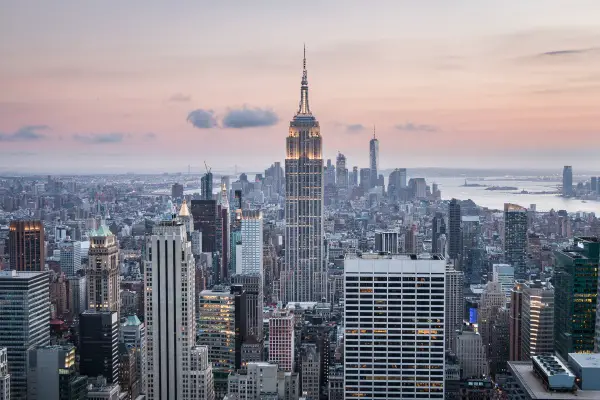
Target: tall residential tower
[(374, 159), (303, 279)]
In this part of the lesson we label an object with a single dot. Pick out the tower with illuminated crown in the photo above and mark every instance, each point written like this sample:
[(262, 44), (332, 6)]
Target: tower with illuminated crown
[(303, 278)]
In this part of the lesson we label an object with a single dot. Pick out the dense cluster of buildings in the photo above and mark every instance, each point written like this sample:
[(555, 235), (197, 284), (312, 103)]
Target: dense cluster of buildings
[(311, 281)]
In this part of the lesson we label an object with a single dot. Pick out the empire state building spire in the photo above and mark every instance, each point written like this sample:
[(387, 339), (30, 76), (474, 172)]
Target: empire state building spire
[(304, 109)]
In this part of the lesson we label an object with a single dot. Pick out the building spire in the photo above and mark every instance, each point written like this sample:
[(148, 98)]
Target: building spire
[(373, 131), (304, 108)]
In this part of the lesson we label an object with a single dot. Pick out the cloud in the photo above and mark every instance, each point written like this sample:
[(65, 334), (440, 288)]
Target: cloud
[(569, 52), (28, 133), (100, 138), (353, 128), (410, 127), (249, 118), (149, 136), (202, 119), (180, 97)]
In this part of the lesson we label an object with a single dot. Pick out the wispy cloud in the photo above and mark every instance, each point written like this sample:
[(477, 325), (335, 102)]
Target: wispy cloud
[(100, 138), (569, 52), (149, 136), (354, 128), (180, 97), (202, 119), (247, 117), (28, 133), (412, 127)]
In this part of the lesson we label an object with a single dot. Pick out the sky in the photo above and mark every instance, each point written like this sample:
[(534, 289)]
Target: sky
[(150, 86)]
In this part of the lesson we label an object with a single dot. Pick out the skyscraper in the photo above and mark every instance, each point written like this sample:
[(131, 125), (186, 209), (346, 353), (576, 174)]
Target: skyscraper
[(52, 374), (70, 256), (217, 329), (365, 179), (515, 321), (386, 242), (204, 213), (99, 344), (515, 239), (24, 315), (281, 340), (455, 305), (206, 186), (27, 249), (304, 277), (537, 320), (170, 302), (252, 243), (103, 271), (376, 351), (438, 228), (567, 182), (454, 235), (4, 375), (342, 171), (374, 159), (575, 297), (177, 191)]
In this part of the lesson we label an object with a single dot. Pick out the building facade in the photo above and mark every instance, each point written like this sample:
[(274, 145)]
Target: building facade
[(304, 277), (99, 344), (24, 316), (102, 272), (282, 340), (27, 248), (537, 321), (515, 239), (575, 297), (70, 256), (455, 305), (454, 231), (389, 332), (374, 160), (252, 243), (169, 268)]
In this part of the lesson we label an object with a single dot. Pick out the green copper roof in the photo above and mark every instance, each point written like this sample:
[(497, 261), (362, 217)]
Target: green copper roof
[(103, 231), (132, 320)]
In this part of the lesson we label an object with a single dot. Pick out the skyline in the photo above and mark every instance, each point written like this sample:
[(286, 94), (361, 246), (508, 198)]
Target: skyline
[(475, 81)]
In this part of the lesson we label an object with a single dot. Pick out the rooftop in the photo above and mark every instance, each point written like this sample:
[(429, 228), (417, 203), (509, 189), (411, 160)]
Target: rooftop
[(387, 256), (586, 360), (523, 372)]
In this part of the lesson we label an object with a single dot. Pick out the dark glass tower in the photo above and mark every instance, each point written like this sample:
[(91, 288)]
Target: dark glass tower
[(204, 213), (515, 239), (27, 250), (454, 234), (575, 297), (438, 229), (374, 159), (567, 189), (206, 186), (99, 345)]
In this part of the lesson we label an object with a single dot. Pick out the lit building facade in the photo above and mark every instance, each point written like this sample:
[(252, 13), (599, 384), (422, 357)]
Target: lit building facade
[(252, 243), (575, 297), (27, 248), (537, 320), (304, 277), (394, 326)]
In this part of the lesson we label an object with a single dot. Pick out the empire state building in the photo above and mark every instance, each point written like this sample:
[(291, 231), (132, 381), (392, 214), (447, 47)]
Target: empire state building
[(304, 275)]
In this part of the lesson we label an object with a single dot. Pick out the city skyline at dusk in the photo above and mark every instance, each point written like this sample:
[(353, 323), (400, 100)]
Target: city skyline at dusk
[(146, 86)]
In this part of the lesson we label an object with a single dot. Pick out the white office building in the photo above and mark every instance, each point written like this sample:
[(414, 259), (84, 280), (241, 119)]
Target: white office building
[(504, 274), (24, 315), (4, 375), (394, 326), (70, 256), (252, 243), (170, 314)]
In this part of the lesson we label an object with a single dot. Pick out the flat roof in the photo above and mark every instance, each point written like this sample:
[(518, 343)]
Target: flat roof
[(523, 372), (586, 360)]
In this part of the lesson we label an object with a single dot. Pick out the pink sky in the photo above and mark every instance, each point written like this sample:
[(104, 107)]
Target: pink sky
[(470, 84)]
